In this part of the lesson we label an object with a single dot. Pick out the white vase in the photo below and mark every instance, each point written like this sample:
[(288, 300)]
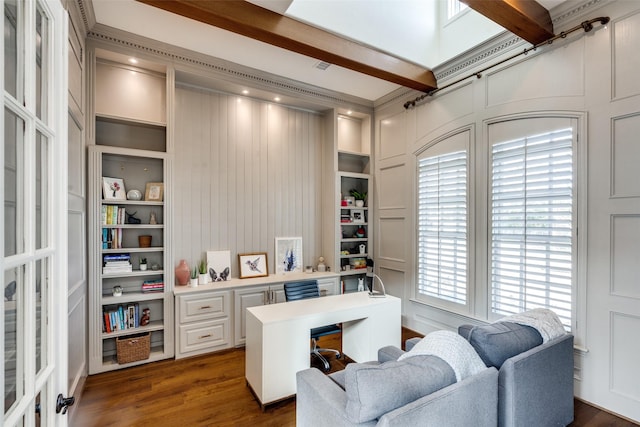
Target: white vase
[(202, 279), (143, 267), (359, 203), (193, 283)]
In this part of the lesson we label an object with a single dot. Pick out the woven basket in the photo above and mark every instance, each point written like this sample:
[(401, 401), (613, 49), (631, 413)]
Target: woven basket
[(133, 347)]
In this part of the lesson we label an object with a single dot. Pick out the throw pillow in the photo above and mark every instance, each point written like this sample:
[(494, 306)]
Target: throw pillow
[(374, 390), (499, 341)]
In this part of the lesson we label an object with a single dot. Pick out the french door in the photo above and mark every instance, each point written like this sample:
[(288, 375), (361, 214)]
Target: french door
[(33, 258)]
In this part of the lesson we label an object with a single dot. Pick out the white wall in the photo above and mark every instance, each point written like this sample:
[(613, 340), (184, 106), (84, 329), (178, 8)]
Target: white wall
[(595, 78), (246, 172)]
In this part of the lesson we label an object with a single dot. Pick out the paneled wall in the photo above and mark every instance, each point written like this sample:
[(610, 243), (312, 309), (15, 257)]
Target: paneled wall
[(593, 77), (246, 172)]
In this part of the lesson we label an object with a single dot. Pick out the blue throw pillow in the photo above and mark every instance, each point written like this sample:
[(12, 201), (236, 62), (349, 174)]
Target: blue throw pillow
[(499, 341)]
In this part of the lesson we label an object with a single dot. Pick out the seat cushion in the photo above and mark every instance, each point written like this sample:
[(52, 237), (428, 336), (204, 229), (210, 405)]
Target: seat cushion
[(373, 390), (499, 341)]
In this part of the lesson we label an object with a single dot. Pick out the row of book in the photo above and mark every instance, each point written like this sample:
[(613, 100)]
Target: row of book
[(116, 263), (112, 238), (113, 215), (153, 286), (121, 318)]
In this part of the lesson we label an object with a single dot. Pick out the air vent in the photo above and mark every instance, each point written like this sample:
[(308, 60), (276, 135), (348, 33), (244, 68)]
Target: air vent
[(322, 65)]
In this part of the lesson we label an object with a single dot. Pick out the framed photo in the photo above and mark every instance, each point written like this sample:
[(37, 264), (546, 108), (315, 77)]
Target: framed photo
[(351, 201), (253, 265), (154, 192), (357, 216), (219, 265), (289, 255), (113, 189)]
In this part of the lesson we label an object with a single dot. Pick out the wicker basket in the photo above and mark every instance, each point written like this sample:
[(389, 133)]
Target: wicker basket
[(133, 348)]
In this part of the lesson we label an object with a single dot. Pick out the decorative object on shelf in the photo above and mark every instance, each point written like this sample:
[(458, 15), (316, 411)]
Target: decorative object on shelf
[(219, 265), (152, 218), (350, 201), (308, 269), (146, 317), (360, 284), (117, 291), (193, 282), (361, 232), (288, 255), (182, 273), (362, 248), (113, 189), (155, 267), (133, 348), (357, 216), (321, 266), (359, 196), (134, 195), (144, 241), (154, 192), (143, 264), (131, 219), (203, 277), (253, 265)]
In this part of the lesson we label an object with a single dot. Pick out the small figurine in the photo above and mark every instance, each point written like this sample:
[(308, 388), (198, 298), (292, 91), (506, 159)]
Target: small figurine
[(152, 218), (321, 266), (131, 219), (146, 317)]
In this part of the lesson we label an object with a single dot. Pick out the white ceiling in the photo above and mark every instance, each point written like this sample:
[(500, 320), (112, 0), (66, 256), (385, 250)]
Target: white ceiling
[(415, 30)]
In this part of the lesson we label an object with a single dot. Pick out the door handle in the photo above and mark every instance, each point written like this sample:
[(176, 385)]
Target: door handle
[(63, 403)]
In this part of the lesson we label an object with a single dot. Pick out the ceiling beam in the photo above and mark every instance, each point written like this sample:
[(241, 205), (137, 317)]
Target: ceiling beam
[(527, 19), (247, 19)]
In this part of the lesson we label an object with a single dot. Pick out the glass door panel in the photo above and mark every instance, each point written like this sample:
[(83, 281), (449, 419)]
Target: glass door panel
[(12, 49), (13, 337), (42, 53), (13, 183), (42, 193)]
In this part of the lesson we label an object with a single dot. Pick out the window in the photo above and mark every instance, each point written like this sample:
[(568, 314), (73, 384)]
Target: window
[(442, 220), (532, 219), (454, 7)]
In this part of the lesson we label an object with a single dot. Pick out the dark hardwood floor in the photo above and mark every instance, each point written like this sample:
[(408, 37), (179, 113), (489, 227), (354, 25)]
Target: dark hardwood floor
[(210, 390)]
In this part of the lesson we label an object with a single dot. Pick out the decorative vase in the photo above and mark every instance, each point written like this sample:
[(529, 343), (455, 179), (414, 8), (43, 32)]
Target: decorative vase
[(143, 267), (202, 279), (182, 273), (144, 241), (359, 203), (193, 282)]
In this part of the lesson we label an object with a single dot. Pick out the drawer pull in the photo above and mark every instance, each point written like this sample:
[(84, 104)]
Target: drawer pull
[(204, 336), (205, 307)]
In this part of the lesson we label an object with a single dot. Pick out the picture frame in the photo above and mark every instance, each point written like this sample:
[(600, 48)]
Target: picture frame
[(154, 192), (113, 189), (253, 265), (351, 201), (357, 216), (219, 266), (289, 255)]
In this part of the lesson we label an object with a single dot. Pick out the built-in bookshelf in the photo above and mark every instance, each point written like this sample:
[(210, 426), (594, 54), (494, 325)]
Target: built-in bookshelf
[(129, 222)]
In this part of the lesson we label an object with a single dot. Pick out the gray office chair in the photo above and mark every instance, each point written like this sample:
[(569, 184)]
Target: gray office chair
[(309, 289)]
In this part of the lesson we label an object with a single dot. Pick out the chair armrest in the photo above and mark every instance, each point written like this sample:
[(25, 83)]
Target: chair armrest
[(470, 402), (536, 387), (389, 353), (320, 401), (408, 344)]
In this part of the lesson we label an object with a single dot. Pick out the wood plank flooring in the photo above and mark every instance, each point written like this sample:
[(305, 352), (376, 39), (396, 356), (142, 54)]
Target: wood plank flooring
[(211, 390)]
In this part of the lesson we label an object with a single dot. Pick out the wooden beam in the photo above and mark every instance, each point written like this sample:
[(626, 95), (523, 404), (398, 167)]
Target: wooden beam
[(247, 19), (527, 19)]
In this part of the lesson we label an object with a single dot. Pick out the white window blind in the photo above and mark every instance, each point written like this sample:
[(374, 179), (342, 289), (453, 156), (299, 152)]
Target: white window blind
[(442, 226), (532, 224)]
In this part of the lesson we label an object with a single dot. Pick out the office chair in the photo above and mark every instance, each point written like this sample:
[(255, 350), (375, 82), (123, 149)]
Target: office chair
[(309, 289)]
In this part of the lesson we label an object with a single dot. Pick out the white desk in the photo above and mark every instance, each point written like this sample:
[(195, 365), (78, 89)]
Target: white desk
[(278, 336)]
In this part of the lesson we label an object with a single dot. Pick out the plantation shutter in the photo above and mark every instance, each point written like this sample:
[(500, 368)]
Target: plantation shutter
[(532, 217), (442, 222)]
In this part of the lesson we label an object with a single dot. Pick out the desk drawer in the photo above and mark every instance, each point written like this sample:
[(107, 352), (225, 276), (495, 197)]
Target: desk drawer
[(209, 336), (204, 306)]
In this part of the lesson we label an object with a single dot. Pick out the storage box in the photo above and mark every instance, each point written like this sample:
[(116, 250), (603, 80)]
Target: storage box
[(357, 263), (133, 348)]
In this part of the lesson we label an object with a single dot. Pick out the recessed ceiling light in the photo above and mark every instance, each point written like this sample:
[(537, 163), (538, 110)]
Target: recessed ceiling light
[(133, 61), (349, 112), (245, 92), (277, 99)]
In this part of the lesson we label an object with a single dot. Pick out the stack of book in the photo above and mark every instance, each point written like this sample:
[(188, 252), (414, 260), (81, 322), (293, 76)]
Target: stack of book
[(116, 263), (121, 318), (153, 286)]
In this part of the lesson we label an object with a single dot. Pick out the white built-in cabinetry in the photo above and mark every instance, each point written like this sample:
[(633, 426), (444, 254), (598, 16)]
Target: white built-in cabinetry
[(130, 143), (206, 315)]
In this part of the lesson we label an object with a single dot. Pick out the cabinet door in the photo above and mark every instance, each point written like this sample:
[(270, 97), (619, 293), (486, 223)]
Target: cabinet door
[(277, 294), (328, 286), (244, 299)]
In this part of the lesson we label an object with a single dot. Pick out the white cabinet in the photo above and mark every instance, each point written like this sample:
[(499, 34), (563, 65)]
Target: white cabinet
[(203, 322), (251, 297)]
